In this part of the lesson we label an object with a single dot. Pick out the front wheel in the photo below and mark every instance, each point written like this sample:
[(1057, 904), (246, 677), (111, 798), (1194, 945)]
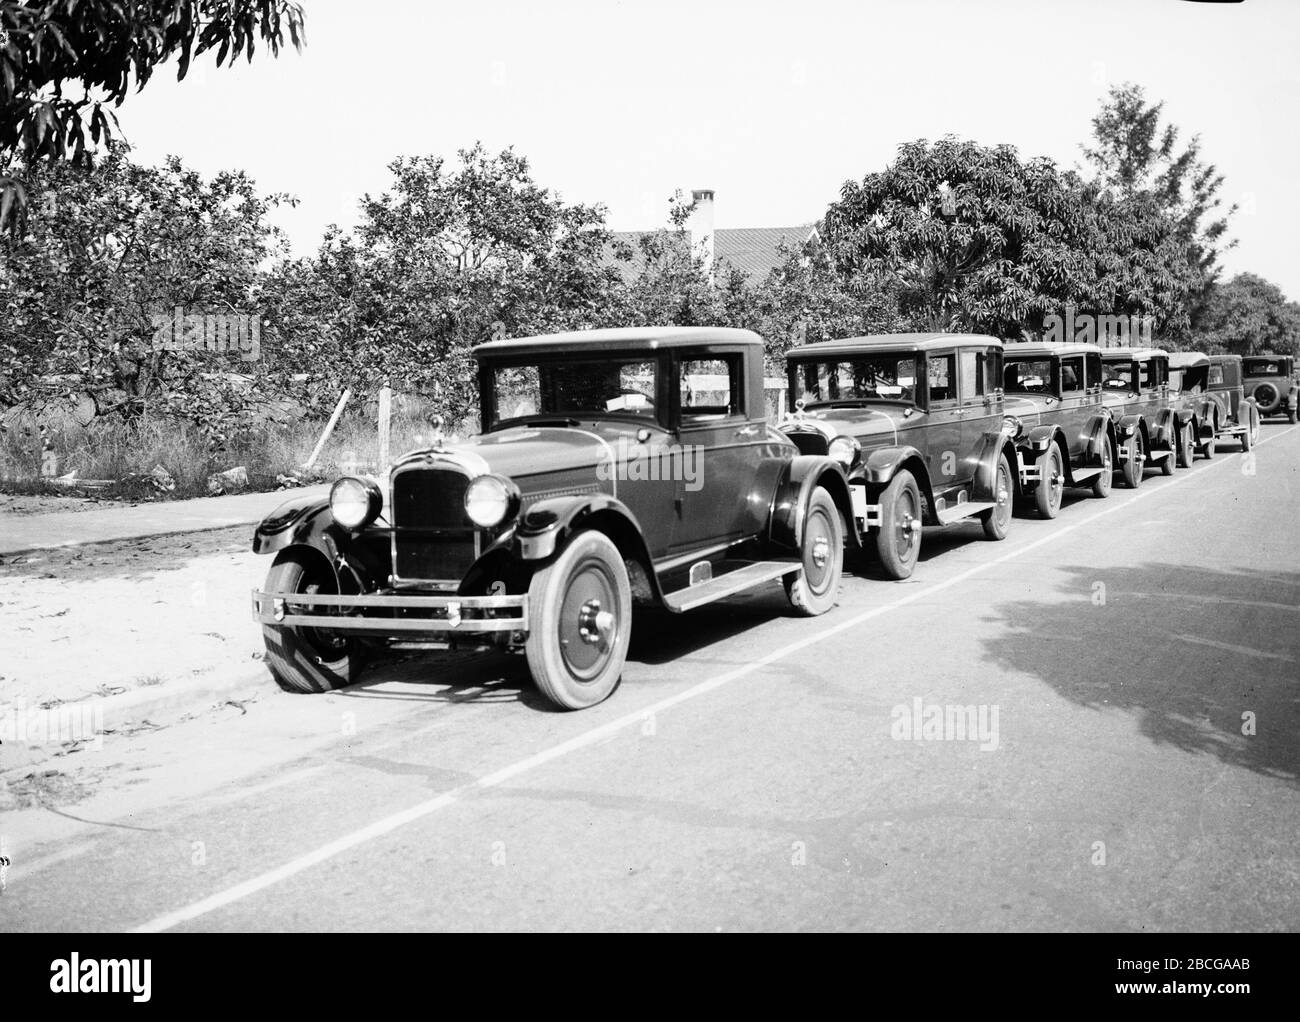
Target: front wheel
[(580, 609), (1183, 450), (997, 519), (306, 660), (1209, 448), (1134, 461), (1051, 483), (1290, 416), (812, 591), (898, 540), (1102, 483)]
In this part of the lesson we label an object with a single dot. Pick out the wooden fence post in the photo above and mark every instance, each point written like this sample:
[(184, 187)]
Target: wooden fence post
[(329, 428)]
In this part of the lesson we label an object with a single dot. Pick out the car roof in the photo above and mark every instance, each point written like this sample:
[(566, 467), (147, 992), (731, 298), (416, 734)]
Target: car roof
[(1036, 350), (1268, 354), (1225, 358), (1132, 353), (891, 342), (1184, 359), (618, 339)]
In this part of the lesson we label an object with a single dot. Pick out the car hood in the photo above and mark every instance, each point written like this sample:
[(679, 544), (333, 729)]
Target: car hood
[(859, 423), (529, 451), (1028, 408)]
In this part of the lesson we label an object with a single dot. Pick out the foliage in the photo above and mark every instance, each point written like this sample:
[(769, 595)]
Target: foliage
[(105, 47), (1249, 315)]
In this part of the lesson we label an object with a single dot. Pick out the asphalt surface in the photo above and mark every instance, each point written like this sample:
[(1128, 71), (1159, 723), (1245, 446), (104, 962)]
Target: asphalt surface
[(751, 773)]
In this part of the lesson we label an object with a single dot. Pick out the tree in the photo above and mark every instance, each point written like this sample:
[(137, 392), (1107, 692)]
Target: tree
[(1248, 315), (116, 249), (974, 238), (104, 48), (449, 257), (1137, 154)]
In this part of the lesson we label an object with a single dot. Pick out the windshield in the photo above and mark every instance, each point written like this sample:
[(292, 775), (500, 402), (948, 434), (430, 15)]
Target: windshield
[(1117, 375), (1028, 376), (866, 378), (593, 388)]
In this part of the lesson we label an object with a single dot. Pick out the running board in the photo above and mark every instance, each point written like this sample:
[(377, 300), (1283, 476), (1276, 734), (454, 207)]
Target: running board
[(1083, 475), (730, 584), (1158, 455), (965, 509)]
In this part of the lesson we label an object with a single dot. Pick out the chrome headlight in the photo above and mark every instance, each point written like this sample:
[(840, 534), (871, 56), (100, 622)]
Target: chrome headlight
[(490, 500), (1012, 426), (355, 503), (844, 449)]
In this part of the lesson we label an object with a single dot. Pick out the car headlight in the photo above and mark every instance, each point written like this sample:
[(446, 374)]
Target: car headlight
[(1012, 426), (355, 503), (844, 449), (490, 500)]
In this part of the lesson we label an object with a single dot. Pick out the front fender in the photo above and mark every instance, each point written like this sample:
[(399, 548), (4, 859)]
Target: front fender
[(307, 522), (803, 475), (993, 448), (1041, 437), (546, 526), (883, 463)]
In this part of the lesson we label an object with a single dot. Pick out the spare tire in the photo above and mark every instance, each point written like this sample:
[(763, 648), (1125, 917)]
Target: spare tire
[(1267, 398)]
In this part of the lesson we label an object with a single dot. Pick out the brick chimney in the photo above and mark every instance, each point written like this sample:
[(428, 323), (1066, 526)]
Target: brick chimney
[(700, 225)]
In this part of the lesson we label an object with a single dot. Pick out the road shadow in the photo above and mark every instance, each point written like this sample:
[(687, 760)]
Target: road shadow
[(1209, 651)]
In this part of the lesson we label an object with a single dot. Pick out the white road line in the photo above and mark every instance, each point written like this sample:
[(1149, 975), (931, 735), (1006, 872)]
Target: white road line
[(605, 731)]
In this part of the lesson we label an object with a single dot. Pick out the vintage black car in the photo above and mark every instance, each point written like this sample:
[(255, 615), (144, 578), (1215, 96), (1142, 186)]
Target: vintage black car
[(1209, 394), (606, 474), (916, 421), (1271, 382), (1064, 434), (1135, 387)]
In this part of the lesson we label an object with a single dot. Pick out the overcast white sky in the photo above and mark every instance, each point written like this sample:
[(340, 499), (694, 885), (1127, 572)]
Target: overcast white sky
[(773, 105)]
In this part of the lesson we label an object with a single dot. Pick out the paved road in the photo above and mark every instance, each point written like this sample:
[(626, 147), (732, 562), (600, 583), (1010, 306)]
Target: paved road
[(751, 772)]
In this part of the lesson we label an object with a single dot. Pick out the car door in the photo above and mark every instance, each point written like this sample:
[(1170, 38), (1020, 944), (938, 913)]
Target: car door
[(978, 379), (1073, 415), (943, 447), (721, 442)]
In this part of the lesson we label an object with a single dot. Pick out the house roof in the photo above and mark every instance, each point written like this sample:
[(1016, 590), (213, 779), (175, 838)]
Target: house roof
[(751, 250)]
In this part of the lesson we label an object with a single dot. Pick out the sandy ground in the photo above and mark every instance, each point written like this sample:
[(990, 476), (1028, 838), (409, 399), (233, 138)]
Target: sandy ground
[(38, 504), (101, 619)]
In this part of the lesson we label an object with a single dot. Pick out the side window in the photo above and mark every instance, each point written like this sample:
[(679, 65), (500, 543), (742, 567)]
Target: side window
[(710, 388), (1071, 376), (1094, 371), (991, 360), (971, 378), (942, 374), (1216, 375)]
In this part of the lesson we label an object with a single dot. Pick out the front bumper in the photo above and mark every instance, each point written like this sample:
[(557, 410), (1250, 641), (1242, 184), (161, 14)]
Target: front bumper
[(437, 615)]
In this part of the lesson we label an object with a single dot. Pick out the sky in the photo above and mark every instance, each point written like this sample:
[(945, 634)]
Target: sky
[(772, 105)]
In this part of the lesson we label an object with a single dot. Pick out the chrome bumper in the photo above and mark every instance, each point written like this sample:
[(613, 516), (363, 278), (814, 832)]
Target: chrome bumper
[(452, 615)]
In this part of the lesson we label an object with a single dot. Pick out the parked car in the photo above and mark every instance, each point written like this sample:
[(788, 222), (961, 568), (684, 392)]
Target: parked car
[(916, 421), (1241, 415), (1135, 387), (1209, 410), (602, 478), (1063, 433), (1271, 382)]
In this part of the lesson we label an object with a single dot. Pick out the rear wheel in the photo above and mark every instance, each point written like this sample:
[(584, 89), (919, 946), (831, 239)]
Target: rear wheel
[(898, 540), (580, 608), (1207, 448), (306, 660), (996, 520), (1051, 483), (1134, 461), (813, 590), (1102, 483)]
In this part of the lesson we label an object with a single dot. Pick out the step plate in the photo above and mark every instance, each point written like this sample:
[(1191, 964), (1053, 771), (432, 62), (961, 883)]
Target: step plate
[(733, 582), (1085, 475), (964, 510)]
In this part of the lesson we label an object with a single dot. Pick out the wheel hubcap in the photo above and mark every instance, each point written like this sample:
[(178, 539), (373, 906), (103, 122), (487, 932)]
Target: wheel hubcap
[(595, 626)]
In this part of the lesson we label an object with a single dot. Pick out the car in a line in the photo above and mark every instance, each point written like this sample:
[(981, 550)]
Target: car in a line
[(916, 420), (1210, 402), (1063, 433), (1270, 381), (603, 478), (1135, 387)]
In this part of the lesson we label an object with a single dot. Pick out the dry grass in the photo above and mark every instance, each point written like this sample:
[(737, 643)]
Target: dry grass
[(125, 454)]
